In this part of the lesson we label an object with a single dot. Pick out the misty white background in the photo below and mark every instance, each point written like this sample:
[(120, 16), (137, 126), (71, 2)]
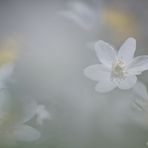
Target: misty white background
[(55, 50)]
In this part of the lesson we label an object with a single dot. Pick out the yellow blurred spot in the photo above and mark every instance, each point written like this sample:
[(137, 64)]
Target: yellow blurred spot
[(118, 19), (120, 22), (8, 51)]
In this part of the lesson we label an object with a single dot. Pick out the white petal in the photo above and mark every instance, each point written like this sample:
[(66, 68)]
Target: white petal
[(141, 90), (127, 50), (25, 133), (105, 86), (128, 83), (138, 65), (96, 72), (105, 52)]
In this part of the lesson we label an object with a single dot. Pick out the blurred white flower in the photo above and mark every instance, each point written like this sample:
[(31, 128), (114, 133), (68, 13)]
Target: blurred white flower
[(13, 125), (81, 14), (117, 69), (42, 114)]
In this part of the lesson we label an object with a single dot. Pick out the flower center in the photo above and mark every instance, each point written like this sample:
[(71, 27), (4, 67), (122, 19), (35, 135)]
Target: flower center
[(119, 69)]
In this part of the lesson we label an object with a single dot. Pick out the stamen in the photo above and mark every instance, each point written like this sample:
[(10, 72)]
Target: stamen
[(119, 69)]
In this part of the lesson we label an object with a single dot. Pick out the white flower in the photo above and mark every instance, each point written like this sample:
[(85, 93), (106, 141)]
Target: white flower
[(13, 125), (42, 114), (117, 69)]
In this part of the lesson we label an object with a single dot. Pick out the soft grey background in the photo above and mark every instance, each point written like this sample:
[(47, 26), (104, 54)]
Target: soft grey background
[(50, 69)]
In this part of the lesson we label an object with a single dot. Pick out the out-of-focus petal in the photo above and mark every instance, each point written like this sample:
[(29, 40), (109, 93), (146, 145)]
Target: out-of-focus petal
[(42, 114), (27, 111), (25, 133), (80, 14), (141, 90), (6, 71)]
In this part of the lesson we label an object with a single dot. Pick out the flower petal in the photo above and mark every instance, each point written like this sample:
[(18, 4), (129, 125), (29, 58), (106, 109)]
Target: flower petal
[(105, 86), (138, 65), (25, 133), (128, 83), (127, 50), (105, 53), (96, 72)]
